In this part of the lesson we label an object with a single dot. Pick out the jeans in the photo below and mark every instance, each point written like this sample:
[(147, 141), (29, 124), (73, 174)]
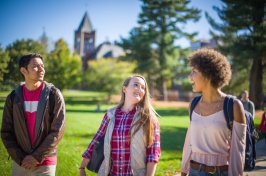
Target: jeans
[(265, 138), (194, 172)]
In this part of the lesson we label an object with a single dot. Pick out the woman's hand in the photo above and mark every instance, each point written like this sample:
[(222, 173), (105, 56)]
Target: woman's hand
[(82, 167), (183, 174), (82, 172)]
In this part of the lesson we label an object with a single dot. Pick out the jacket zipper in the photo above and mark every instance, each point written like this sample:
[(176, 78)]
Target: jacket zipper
[(40, 127)]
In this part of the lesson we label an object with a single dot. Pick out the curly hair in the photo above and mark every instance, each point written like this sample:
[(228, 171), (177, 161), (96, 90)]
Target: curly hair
[(212, 65)]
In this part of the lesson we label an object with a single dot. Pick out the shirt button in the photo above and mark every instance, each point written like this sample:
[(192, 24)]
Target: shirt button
[(120, 147), (120, 157), (120, 168)]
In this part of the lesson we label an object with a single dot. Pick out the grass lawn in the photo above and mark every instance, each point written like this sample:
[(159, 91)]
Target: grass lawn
[(83, 122)]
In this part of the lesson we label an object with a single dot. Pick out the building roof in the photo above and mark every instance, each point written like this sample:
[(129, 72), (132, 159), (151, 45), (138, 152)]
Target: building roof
[(85, 25), (106, 50)]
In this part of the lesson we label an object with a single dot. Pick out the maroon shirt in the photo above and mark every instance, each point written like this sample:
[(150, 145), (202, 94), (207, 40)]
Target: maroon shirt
[(31, 100)]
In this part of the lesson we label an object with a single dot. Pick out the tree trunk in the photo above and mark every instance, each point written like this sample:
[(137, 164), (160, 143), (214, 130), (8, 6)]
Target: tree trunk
[(255, 84), (109, 98), (164, 89)]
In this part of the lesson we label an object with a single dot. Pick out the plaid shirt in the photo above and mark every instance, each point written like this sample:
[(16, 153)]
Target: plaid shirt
[(120, 145)]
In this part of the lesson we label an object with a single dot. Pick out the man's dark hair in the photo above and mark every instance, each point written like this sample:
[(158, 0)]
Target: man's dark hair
[(25, 60)]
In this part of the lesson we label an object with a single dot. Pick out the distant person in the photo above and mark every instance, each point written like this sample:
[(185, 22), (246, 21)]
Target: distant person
[(210, 147), (263, 125), (132, 134), (248, 105), (33, 121)]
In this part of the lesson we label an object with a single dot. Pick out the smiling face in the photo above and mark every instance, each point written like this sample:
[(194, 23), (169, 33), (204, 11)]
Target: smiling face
[(135, 90), (34, 71), (199, 81)]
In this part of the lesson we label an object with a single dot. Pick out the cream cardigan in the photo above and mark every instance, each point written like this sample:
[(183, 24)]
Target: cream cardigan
[(138, 147)]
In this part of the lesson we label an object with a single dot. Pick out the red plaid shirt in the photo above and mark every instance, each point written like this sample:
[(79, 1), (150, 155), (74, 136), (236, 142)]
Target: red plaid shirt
[(120, 152)]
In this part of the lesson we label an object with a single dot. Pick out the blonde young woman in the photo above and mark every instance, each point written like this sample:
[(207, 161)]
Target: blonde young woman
[(132, 132), (210, 147)]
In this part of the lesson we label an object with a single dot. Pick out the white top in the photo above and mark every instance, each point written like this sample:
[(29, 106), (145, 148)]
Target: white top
[(208, 141)]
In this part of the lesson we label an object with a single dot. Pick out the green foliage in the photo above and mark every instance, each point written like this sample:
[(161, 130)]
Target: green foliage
[(238, 83), (62, 69), (107, 75), (242, 33), (4, 60), (155, 38), (44, 41), (182, 70), (16, 51)]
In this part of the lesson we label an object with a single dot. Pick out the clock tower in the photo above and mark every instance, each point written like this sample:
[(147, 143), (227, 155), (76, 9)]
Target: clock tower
[(84, 43)]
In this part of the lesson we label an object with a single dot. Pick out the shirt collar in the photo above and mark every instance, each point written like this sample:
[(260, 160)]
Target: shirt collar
[(132, 111)]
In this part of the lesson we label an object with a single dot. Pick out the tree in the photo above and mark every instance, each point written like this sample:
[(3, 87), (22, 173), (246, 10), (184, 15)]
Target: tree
[(107, 75), (44, 41), (139, 48), (62, 69), (243, 35), (4, 60), (16, 51), (161, 18)]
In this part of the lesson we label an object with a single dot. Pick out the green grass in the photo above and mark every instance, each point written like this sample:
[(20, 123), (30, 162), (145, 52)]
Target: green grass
[(83, 122)]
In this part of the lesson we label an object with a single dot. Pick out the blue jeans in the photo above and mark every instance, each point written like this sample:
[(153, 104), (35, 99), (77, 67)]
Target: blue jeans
[(194, 172), (265, 137)]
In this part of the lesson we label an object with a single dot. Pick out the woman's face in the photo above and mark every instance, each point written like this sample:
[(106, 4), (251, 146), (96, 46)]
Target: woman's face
[(199, 81), (135, 90)]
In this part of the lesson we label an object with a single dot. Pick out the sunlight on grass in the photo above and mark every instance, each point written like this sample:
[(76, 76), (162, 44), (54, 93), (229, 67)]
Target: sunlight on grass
[(83, 122)]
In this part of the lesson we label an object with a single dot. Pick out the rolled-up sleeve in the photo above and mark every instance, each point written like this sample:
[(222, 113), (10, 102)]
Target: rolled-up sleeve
[(100, 133), (237, 151), (187, 150), (154, 151)]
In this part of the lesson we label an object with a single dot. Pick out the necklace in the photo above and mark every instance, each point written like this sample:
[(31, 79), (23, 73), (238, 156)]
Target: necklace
[(213, 110)]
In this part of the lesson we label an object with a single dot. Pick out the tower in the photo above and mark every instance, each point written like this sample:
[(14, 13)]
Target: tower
[(85, 40)]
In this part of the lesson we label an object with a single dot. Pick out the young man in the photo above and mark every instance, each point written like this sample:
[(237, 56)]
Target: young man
[(33, 121), (248, 105)]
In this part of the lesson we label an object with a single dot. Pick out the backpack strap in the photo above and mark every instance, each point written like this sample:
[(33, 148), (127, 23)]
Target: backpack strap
[(52, 103), (229, 110), (12, 96), (193, 104)]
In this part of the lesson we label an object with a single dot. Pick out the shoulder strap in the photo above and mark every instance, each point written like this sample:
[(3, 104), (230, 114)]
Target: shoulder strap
[(51, 102), (193, 104), (229, 110), (12, 96)]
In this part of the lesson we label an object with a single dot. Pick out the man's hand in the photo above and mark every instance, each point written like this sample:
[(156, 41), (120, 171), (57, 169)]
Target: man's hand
[(29, 162)]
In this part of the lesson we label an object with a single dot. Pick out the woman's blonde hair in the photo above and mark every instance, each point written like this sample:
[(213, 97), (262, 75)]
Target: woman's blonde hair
[(147, 113)]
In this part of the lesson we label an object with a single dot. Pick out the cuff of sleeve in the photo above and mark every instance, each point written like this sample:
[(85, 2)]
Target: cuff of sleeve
[(153, 158), (86, 155), (185, 170)]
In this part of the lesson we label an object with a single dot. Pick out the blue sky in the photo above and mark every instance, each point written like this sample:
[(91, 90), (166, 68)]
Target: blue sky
[(27, 19)]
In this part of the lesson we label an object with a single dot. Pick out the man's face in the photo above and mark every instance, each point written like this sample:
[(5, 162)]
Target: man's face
[(35, 70), (245, 96)]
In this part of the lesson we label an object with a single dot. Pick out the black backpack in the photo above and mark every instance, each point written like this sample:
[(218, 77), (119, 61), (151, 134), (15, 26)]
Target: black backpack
[(251, 135)]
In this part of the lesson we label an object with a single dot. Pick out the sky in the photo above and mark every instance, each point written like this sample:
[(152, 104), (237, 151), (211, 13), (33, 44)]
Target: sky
[(28, 19)]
